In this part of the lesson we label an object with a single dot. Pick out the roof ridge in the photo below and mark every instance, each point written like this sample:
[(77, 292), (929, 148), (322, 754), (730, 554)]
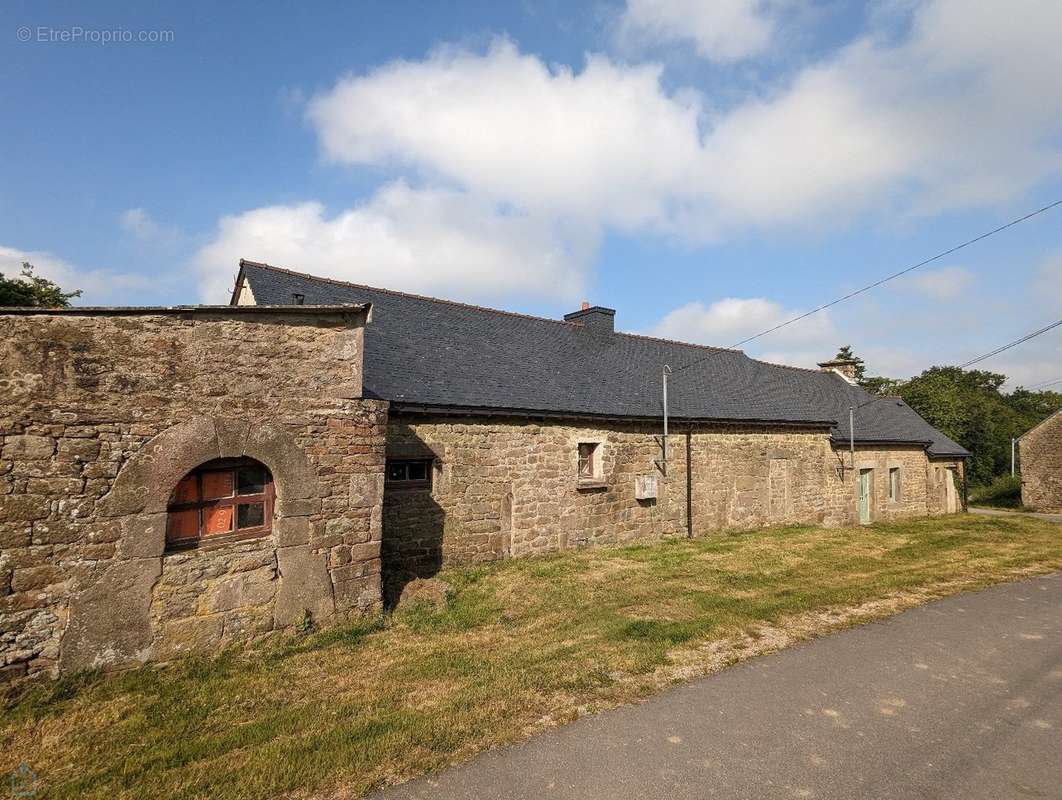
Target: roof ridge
[(396, 293), (477, 307), (679, 341), (790, 366)]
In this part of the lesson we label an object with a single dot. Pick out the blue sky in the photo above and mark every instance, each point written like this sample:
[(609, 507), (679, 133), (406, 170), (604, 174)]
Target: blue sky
[(705, 168)]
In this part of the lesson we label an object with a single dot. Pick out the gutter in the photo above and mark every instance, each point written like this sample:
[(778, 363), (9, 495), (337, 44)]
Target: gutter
[(398, 406)]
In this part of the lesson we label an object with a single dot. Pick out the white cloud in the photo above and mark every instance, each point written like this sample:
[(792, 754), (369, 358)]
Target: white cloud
[(945, 283), (424, 240), (99, 287), (1048, 282), (723, 30), (731, 319), (604, 145), (140, 224), (874, 127)]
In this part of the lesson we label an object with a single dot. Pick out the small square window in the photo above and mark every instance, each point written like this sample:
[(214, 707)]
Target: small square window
[(409, 473)]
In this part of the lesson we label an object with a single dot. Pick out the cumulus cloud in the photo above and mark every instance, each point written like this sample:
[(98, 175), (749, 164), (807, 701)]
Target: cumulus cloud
[(872, 127), (733, 318), (605, 144), (423, 240), (722, 31), (99, 286), (140, 224), (945, 283), (1048, 282)]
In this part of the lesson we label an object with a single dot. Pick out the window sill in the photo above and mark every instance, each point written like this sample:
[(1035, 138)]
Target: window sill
[(580, 485), (407, 486), (215, 542)]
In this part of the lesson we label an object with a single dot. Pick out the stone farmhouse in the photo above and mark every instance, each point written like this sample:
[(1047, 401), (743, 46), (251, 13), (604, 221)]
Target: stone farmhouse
[(1040, 454), (176, 479)]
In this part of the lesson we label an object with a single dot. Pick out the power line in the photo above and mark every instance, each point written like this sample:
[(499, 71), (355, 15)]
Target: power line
[(886, 279), (1015, 343), (1043, 384)]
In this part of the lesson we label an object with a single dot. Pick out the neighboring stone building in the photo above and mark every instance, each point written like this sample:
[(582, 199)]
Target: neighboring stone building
[(176, 479), (511, 434), (1040, 456)]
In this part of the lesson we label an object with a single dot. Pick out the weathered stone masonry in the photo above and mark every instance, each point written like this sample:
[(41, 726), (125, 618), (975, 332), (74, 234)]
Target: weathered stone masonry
[(103, 411), (505, 486), (1040, 451)]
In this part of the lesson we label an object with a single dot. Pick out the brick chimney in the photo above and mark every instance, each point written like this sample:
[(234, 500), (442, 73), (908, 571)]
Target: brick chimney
[(845, 367), (596, 318)]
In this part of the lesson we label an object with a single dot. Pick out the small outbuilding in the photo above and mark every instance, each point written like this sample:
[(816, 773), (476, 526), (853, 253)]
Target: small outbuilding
[(1040, 451)]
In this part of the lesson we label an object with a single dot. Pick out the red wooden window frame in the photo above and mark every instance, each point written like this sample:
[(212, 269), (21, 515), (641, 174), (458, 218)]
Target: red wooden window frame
[(402, 465), (586, 469), (208, 510)]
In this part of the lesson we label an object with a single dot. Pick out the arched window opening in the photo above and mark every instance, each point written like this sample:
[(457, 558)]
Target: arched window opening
[(221, 500)]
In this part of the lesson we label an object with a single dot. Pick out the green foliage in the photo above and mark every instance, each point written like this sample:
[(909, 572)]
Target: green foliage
[(846, 354), (304, 625), (880, 385), (33, 291), (1003, 492), (971, 408)]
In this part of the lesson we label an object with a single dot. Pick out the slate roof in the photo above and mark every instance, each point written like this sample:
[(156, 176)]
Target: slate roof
[(422, 351)]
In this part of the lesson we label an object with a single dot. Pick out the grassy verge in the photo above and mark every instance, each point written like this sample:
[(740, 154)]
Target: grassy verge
[(522, 644), (1003, 492)]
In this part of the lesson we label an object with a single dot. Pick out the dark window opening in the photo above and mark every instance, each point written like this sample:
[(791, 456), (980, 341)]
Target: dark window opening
[(220, 500), (298, 299), (410, 473)]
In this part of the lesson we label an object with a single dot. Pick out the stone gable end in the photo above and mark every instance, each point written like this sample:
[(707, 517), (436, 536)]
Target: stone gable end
[(103, 413)]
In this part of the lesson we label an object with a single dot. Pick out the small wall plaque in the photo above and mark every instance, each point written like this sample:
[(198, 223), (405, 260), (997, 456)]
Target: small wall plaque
[(645, 487)]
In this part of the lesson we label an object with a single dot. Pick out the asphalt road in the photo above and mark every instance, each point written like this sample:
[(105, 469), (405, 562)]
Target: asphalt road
[(961, 698), (995, 512)]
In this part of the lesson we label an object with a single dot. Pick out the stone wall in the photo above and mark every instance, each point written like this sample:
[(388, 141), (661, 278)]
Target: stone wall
[(102, 412), (1040, 453), (507, 487)]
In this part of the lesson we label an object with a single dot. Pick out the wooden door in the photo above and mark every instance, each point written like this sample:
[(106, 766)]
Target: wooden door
[(864, 496)]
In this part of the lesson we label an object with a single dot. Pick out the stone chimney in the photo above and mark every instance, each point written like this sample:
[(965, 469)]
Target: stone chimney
[(596, 318), (845, 367)]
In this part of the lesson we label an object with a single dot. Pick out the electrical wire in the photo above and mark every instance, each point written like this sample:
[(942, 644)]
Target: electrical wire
[(1043, 384), (877, 283), (1015, 343)]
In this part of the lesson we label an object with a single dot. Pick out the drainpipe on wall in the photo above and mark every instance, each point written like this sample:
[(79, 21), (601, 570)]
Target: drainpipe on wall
[(666, 372), (851, 436), (689, 481)]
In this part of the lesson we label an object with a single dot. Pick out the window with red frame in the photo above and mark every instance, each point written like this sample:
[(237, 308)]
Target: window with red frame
[(220, 500)]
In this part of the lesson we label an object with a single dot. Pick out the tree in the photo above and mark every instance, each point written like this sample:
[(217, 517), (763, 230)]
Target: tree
[(882, 386), (846, 354), (970, 407), (33, 291)]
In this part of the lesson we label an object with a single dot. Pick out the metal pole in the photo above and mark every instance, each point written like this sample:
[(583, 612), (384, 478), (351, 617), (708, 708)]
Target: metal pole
[(666, 372)]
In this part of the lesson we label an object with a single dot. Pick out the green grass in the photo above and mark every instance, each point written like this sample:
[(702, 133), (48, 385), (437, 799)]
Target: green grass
[(521, 644), (1003, 492)]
